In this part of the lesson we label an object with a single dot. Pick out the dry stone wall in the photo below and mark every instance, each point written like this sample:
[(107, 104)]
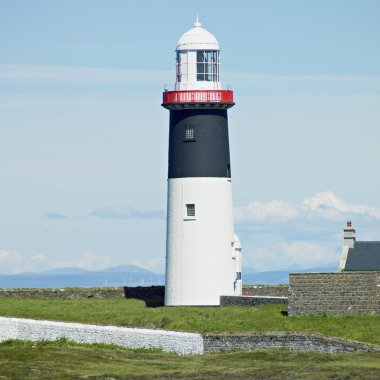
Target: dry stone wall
[(293, 341), (70, 293), (251, 300), (267, 290), (334, 293), (139, 292)]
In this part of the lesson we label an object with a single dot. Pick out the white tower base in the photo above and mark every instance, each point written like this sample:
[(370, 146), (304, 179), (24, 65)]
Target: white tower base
[(199, 261)]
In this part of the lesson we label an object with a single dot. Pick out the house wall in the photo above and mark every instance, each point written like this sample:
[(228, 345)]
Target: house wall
[(334, 293)]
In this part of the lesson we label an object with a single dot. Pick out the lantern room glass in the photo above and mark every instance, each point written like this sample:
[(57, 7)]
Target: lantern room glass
[(208, 65), (181, 66)]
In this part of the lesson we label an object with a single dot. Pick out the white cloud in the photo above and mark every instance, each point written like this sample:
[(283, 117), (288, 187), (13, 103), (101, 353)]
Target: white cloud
[(273, 211), (323, 205), (13, 262), (55, 215), (330, 206), (10, 261), (72, 74), (303, 254), (127, 212), (156, 265), (37, 263), (40, 259), (279, 234), (87, 260)]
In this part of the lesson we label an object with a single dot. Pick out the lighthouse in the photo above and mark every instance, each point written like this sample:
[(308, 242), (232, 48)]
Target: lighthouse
[(203, 254)]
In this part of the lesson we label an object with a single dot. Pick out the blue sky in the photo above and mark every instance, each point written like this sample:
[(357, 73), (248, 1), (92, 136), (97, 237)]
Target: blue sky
[(83, 138)]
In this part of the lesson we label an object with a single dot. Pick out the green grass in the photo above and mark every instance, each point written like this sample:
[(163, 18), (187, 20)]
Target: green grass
[(129, 312), (66, 360)]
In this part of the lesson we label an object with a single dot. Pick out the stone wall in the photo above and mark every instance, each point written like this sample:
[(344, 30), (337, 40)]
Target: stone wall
[(34, 330), (334, 293), (251, 300), (267, 290), (70, 293), (155, 293), (150, 294), (293, 341)]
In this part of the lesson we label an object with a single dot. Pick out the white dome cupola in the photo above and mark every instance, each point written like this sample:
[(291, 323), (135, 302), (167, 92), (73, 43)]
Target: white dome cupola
[(197, 38), (197, 60)]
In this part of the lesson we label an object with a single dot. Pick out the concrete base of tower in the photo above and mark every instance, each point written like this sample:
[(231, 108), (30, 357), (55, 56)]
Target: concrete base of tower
[(200, 265)]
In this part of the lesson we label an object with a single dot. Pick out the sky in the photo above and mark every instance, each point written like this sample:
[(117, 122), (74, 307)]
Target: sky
[(84, 139)]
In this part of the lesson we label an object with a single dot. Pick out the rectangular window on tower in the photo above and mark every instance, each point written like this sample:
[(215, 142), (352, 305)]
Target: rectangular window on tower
[(189, 132), (190, 210)]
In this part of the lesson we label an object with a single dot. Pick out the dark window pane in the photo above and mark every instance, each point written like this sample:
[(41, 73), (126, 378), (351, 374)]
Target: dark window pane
[(190, 209)]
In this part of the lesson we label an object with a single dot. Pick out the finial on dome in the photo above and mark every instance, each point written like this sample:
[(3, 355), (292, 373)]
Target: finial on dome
[(197, 22)]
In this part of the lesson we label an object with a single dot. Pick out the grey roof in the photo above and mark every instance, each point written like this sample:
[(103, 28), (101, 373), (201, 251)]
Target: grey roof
[(364, 256)]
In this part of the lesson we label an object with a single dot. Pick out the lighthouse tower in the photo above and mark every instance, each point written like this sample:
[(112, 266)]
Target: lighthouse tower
[(203, 255)]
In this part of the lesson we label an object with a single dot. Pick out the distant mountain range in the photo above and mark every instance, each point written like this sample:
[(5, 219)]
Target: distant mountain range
[(129, 275), (117, 269), (123, 275)]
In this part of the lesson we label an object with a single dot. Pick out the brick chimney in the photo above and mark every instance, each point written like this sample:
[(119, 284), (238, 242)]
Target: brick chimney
[(349, 235)]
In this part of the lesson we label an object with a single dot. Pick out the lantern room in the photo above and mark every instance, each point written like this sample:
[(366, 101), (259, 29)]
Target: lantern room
[(197, 60)]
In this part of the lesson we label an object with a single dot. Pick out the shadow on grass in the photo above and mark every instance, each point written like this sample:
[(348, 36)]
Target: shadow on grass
[(153, 296)]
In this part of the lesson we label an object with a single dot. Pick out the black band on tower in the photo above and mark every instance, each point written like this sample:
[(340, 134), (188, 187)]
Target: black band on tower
[(198, 143)]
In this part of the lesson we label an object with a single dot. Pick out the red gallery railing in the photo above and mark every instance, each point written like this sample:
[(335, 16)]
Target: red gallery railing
[(198, 96)]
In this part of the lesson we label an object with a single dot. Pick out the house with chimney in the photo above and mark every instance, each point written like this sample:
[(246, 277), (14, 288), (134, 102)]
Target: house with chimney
[(354, 289), (358, 255)]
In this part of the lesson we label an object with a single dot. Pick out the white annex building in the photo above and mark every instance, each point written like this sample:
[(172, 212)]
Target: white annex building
[(203, 254)]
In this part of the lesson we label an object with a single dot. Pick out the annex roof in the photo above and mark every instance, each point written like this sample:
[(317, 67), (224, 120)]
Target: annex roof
[(364, 256)]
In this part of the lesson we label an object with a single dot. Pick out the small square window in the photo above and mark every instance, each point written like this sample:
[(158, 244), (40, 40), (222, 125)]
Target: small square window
[(190, 209), (189, 132)]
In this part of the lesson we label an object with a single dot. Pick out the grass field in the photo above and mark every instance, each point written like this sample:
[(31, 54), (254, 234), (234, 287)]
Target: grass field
[(129, 312), (67, 360)]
